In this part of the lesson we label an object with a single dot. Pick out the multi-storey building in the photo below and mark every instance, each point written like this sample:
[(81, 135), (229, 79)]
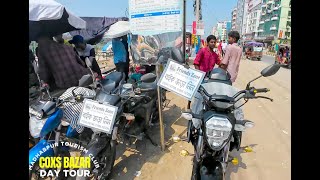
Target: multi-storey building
[(244, 20), (275, 21), (234, 19), (239, 18), (253, 18), (222, 29)]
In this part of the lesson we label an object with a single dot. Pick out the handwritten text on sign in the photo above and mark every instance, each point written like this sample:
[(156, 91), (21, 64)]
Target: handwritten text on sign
[(98, 116), (180, 80)]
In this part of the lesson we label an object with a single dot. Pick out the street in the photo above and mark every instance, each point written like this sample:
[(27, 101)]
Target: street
[(267, 59), (270, 138)]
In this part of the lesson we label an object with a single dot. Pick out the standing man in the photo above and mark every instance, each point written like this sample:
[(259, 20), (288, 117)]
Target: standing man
[(224, 46), (206, 57), (59, 65), (220, 48), (86, 50), (120, 55), (124, 40), (231, 60)]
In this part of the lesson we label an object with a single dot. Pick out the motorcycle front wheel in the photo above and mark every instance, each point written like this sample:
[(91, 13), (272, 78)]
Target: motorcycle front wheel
[(109, 156), (195, 170)]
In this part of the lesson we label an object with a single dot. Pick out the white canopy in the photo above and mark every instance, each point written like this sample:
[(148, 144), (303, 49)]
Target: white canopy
[(52, 10), (118, 29)]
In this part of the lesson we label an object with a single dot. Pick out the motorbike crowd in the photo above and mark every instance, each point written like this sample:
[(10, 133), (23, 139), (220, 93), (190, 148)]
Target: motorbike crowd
[(58, 88)]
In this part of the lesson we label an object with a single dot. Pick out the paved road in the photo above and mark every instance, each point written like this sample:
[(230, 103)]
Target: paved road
[(267, 59), (270, 138)]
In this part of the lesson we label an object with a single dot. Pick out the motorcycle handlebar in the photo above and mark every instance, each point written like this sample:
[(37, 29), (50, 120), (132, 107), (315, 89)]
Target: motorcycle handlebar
[(265, 98), (88, 97), (262, 90), (147, 90)]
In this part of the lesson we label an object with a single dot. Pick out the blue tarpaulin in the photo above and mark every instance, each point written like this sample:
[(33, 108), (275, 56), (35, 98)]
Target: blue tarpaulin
[(106, 46)]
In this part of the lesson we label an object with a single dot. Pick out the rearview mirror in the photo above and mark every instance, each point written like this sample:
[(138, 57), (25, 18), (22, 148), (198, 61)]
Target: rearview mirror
[(35, 67), (88, 62), (177, 55), (270, 70), (186, 115), (148, 78), (85, 81)]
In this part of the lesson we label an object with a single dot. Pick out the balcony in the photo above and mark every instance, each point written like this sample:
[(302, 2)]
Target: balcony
[(263, 6), (273, 28), (266, 20), (270, 2), (263, 13), (269, 11), (261, 22), (274, 18), (276, 8), (260, 30)]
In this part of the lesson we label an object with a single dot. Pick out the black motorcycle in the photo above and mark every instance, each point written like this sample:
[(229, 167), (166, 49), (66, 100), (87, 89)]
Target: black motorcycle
[(214, 128), (140, 109)]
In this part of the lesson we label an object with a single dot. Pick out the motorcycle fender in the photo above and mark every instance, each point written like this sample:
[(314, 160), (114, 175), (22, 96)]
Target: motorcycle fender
[(53, 122), (212, 170), (95, 146), (41, 149), (71, 132)]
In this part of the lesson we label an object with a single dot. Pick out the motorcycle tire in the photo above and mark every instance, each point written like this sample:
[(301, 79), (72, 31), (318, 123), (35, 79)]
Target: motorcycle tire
[(110, 159), (110, 154), (195, 175), (62, 154)]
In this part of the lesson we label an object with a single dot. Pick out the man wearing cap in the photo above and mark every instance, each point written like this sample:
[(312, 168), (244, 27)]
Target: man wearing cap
[(86, 50)]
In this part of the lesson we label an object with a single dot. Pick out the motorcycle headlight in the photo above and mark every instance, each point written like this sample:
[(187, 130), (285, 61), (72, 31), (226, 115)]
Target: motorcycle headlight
[(35, 126), (217, 130)]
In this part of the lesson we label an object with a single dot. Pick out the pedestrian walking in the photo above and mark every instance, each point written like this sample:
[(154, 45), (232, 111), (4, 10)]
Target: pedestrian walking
[(231, 60), (206, 57), (224, 46)]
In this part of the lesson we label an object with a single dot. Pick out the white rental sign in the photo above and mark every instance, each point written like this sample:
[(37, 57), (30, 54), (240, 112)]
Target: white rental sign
[(98, 116), (181, 80)]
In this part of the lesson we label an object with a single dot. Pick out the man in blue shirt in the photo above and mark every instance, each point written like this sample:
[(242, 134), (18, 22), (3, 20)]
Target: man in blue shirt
[(120, 55)]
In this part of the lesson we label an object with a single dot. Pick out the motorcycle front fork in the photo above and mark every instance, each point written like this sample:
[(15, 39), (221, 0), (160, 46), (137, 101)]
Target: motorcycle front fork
[(225, 156), (224, 153)]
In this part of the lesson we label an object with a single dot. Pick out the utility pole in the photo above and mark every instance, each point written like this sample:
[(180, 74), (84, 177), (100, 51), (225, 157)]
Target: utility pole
[(197, 11)]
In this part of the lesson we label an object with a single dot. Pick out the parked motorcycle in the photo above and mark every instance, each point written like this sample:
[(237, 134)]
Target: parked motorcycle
[(102, 145), (140, 107), (215, 128), (45, 124)]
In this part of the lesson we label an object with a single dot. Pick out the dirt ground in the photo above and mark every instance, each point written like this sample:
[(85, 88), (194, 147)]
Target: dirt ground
[(270, 138)]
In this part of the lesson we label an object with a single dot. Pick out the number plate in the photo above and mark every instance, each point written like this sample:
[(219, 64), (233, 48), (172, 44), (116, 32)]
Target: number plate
[(98, 116)]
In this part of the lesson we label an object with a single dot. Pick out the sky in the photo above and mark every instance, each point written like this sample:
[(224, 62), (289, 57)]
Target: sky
[(212, 10)]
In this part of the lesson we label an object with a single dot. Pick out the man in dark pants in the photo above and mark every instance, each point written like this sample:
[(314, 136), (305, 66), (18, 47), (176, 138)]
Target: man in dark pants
[(121, 55)]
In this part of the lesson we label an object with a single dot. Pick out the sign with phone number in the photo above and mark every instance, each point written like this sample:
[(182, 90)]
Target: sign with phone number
[(98, 116), (181, 80)]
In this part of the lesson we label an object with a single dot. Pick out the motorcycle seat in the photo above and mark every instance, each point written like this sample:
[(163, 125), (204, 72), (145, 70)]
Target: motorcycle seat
[(220, 81), (152, 85), (111, 99), (113, 76)]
